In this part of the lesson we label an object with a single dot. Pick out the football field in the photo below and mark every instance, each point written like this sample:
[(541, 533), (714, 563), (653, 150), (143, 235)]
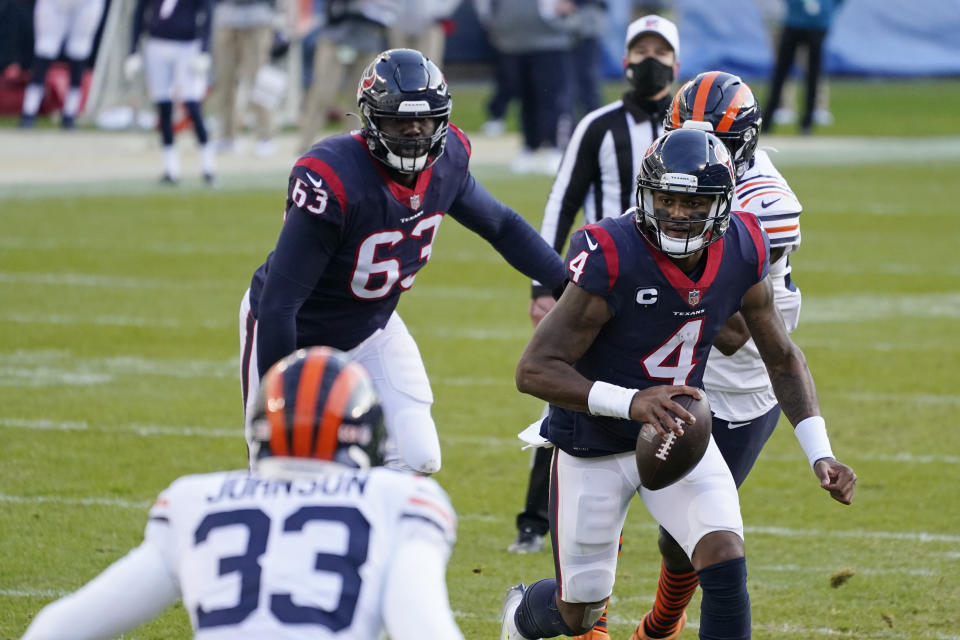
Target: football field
[(119, 373)]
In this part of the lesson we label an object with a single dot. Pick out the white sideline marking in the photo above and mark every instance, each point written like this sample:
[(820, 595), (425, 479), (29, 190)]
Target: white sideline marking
[(178, 248), (860, 308), (33, 593), (912, 536), (109, 281), (82, 501), (796, 568), (904, 458), (53, 367), (132, 429), (879, 269), (492, 442), (110, 321)]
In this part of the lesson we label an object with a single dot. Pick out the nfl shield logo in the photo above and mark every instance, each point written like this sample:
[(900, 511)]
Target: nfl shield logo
[(693, 297), (415, 201)]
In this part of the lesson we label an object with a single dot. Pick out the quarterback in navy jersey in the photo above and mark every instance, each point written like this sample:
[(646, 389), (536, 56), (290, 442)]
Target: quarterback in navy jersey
[(649, 291), (363, 210)]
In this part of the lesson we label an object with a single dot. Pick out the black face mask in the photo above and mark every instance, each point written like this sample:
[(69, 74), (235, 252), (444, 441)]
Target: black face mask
[(649, 77)]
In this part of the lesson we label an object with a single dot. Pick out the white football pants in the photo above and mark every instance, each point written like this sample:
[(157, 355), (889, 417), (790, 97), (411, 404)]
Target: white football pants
[(593, 495), (169, 72), (393, 360), (75, 21)]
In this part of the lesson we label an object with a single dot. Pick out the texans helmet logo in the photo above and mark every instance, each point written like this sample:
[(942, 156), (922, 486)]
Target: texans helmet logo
[(367, 81)]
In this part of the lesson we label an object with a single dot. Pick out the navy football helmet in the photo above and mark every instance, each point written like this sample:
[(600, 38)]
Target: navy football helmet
[(689, 162), (317, 404), (403, 83), (724, 105)]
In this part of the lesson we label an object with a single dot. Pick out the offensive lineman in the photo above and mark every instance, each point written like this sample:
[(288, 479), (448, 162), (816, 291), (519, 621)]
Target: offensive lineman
[(176, 61), (649, 292), (362, 213), (318, 542), (55, 23)]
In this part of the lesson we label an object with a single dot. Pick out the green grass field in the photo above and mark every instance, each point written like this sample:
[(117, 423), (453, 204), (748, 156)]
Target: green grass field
[(118, 373)]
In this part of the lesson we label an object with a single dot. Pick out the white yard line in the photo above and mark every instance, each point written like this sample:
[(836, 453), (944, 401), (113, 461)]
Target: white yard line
[(112, 321), (110, 281), (485, 442), (782, 532), (83, 501)]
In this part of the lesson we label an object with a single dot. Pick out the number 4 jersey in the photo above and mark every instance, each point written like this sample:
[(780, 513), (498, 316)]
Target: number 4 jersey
[(663, 321), (308, 558)]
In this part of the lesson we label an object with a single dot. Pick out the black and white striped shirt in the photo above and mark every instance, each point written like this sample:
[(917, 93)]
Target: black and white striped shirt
[(599, 167)]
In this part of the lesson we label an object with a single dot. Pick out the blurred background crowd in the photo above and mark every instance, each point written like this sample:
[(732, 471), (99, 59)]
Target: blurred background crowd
[(281, 65)]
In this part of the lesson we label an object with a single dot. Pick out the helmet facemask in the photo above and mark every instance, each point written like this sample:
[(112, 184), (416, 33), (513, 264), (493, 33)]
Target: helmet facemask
[(742, 146), (687, 163), (705, 227), (406, 154)]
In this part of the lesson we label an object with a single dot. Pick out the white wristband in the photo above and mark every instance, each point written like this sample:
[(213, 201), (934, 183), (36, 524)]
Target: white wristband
[(607, 399), (812, 434)]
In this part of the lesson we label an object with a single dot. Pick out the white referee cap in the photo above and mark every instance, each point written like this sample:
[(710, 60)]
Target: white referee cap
[(654, 24)]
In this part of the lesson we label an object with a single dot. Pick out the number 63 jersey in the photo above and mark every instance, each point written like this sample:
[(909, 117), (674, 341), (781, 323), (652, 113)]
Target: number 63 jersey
[(329, 556), (663, 321), (354, 240)]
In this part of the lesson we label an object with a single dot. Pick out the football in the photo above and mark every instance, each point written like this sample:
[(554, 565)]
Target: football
[(663, 461)]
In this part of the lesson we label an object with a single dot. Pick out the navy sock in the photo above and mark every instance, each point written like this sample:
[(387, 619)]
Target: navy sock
[(193, 108), (165, 109), (38, 70), (77, 68), (725, 606), (538, 616)]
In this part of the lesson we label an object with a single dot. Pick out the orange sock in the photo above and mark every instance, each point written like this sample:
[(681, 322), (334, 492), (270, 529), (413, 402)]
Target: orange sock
[(674, 592)]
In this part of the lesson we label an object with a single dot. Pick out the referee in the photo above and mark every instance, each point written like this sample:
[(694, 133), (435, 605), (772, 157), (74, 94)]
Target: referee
[(597, 174)]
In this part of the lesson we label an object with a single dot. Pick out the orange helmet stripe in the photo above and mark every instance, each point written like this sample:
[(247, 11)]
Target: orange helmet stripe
[(305, 411), (731, 113), (700, 102), (275, 408), (337, 399), (675, 111)]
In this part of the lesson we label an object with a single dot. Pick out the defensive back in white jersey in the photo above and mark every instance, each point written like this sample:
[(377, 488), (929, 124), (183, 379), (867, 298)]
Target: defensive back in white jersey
[(738, 386), (344, 554)]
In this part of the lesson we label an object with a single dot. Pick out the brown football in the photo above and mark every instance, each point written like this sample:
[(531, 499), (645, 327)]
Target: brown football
[(661, 462)]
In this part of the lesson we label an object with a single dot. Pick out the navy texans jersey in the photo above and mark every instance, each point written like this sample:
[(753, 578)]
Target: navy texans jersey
[(663, 322), (173, 20), (353, 240)]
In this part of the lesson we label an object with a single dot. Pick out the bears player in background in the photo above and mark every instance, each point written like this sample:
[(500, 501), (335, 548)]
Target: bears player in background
[(57, 23), (597, 174), (317, 542), (745, 409), (176, 61), (649, 292), (362, 213)]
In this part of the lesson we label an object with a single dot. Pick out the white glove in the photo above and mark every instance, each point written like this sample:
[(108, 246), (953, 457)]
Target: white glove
[(132, 66), (200, 63)]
